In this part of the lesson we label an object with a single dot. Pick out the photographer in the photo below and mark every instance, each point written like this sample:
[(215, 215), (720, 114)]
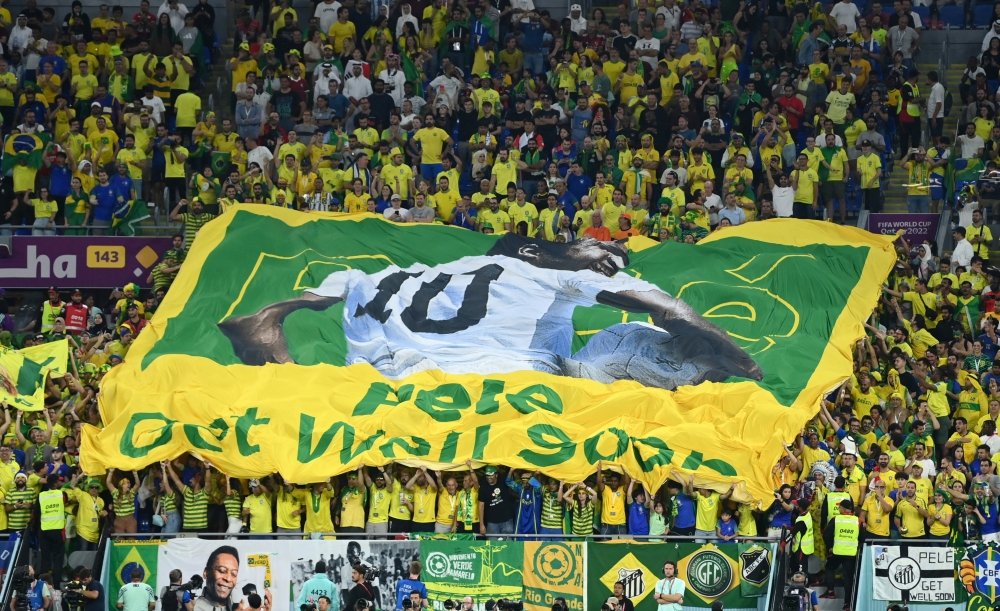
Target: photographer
[(797, 596), (176, 596), (361, 590), (26, 586), (94, 592)]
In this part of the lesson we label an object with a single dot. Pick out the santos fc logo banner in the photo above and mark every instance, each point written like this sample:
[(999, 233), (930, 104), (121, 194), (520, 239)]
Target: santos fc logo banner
[(307, 344)]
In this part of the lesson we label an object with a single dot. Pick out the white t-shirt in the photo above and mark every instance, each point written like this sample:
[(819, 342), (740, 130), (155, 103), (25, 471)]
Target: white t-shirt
[(993, 441), (327, 14), (261, 156), (668, 587), (519, 7), (784, 200), (158, 108), (644, 44), (846, 14), (970, 146), (936, 97), (465, 326), (404, 213), (714, 203)]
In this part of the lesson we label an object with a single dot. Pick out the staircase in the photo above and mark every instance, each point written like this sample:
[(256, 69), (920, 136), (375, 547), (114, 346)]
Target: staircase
[(895, 192)]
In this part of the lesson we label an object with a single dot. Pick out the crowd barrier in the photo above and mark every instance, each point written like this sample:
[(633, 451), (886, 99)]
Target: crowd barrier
[(534, 570)]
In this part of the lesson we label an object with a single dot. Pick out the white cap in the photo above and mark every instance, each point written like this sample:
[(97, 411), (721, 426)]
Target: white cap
[(575, 7), (395, 196)]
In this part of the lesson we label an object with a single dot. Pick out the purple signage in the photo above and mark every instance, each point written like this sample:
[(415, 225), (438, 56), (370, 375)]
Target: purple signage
[(37, 262), (915, 227)]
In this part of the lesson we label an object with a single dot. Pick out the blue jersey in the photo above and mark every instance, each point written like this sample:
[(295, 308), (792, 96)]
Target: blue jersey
[(727, 529), (107, 200), (638, 519), (684, 511), (528, 507)]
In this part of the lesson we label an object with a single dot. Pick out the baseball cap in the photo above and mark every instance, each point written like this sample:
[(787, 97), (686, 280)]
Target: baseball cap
[(611, 601), (97, 104), (912, 73), (53, 289), (396, 196), (491, 470), (847, 504), (866, 143), (484, 75), (254, 483), (627, 217)]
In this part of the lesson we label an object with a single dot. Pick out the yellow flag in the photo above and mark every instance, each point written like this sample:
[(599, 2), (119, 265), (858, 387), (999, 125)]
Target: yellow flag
[(23, 373)]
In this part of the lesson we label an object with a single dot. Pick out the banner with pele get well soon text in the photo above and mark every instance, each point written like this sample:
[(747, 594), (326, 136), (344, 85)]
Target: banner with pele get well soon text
[(307, 344)]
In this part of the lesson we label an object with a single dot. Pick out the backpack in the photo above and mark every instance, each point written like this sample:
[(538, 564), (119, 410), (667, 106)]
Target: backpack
[(170, 601)]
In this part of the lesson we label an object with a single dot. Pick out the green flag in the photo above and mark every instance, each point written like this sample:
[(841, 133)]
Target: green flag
[(711, 573), (220, 162), (755, 568), (480, 569), (127, 555), (411, 71), (128, 218)]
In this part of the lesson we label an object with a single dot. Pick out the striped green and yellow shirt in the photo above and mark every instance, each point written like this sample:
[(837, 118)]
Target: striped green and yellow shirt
[(124, 504), (195, 509), (168, 502), (552, 510), (234, 505), (19, 518), (583, 519), (192, 224)]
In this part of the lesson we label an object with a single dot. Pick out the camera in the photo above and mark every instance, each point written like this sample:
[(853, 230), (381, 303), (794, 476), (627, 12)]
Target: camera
[(195, 583), (20, 582), (510, 605), (795, 598), (73, 598)]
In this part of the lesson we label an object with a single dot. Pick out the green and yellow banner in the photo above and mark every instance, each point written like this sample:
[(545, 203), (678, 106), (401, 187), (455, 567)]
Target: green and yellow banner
[(553, 569), (23, 373), (710, 573), (480, 569), (307, 344)]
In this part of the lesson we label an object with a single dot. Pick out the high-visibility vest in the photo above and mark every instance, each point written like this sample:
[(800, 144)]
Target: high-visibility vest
[(804, 541), (845, 535), (49, 314), (52, 510), (76, 317), (833, 501), (912, 108)]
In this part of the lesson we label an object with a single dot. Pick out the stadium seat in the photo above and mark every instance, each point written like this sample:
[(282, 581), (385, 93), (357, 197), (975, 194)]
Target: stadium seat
[(983, 14), (924, 12), (953, 16)]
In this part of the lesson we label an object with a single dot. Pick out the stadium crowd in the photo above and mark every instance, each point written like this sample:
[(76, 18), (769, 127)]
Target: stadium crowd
[(664, 119)]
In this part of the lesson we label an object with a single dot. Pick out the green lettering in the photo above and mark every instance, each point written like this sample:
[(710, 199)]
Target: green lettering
[(450, 447), (378, 395), (696, 459), (420, 447), (482, 438), (346, 452), (594, 455), (243, 425), (662, 457), (540, 434), (127, 445), (489, 403), (306, 453), (526, 402), (193, 433), (444, 402)]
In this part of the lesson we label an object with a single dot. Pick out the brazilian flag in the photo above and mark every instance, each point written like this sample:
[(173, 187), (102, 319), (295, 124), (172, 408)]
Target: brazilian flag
[(128, 217), (220, 162), (127, 555), (18, 146), (411, 71)]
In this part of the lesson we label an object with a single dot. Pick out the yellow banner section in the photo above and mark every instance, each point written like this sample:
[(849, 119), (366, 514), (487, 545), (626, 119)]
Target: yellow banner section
[(23, 373), (553, 569), (323, 420)]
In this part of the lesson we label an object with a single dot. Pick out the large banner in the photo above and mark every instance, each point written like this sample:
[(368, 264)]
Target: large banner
[(710, 572), (553, 569), (38, 262), (233, 569), (480, 569), (325, 341), (924, 574), (916, 227)]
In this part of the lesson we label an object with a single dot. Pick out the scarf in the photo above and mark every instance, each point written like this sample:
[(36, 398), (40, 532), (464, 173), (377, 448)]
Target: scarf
[(639, 184), (919, 176)]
